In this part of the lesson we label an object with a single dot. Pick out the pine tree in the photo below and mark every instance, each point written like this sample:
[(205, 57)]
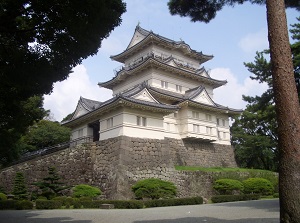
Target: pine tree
[(20, 190)]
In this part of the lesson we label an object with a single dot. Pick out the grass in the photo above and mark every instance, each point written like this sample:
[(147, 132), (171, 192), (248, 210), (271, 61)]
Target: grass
[(217, 169)]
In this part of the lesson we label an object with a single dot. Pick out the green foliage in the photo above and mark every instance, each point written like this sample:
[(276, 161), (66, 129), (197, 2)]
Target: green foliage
[(173, 202), (154, 189), (45, 133), (83, 190), (37, 52), (3, 197), (16, 205), (67, 202), (24, 205), (2, 190), (48, 204), (227, 186), (51, 186), (24, 114), (231, 198), (276, 195), (258, 186), (8, 205), (206, 10), (20, 190)]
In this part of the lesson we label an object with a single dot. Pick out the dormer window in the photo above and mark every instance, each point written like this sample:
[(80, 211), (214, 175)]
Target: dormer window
[(164, 84)]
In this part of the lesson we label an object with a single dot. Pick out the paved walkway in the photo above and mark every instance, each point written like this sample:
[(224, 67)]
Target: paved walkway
[(263, 211)]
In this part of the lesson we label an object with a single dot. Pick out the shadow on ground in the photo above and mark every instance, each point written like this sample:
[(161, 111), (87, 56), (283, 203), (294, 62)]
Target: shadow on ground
[(267, 205), (24, 216), (211, 220)]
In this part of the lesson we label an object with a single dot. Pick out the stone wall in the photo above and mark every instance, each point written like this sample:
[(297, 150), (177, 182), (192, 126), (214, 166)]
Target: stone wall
[(115, 164)]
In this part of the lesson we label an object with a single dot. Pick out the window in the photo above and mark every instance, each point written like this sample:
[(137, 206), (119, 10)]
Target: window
[(80, 133), (218, 121), (224, 135), (196, 128), (195, 114), (110, 123), (164, 84), (208, 117), (168, 126), (219, 134), (178, 88), (141, 121), (208, 130), (223, 122)]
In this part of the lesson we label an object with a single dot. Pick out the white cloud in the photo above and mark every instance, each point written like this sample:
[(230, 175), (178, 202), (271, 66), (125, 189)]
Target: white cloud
[(254, 41), (66, 94), (231, 94)]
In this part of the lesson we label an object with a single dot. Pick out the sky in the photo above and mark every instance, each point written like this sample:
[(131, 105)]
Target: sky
[(233, 38)]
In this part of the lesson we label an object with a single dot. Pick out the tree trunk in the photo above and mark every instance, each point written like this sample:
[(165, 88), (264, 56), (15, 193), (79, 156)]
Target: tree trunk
[(287, 110)]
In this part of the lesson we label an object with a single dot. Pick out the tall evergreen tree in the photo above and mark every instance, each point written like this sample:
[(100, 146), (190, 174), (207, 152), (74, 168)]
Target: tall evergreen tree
[(286, 97)]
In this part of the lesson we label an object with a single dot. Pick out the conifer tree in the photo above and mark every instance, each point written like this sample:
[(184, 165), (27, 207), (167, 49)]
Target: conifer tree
[(20, 190)]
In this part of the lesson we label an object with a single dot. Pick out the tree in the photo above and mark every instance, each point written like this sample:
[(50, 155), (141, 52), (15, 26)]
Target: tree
[(254, 133), (45, 133), (25, 114), (51, 186), (40, 42), (286, 98), (20, 190)]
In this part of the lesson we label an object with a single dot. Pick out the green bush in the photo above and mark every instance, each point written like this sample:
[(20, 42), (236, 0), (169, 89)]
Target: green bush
[(154, 189), (231, 198), (258, 186), (3, 197), (173, 202), (67, 202), (15, 205), (8, 205), (83, 190), (227, 186), (48, 204), (276, 195), (24, 205)]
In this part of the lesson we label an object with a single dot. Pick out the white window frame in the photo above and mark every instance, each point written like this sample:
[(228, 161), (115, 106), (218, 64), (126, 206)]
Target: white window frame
[(208, 130), (164, 84), (141, 121), (178, 88), (208, 117), (110, 122)]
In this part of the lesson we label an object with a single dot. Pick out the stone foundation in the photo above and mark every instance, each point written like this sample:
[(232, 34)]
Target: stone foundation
[(115, 164)]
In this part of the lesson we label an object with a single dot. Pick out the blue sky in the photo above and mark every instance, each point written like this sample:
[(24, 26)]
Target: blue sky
[(232, 38)]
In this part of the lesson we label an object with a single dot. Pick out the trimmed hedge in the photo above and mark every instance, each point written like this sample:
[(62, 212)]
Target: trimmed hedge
[(118, 204), (173, 202), (24, 205), (16, 205), (154, 188), (231, 198), (48, 204), (84, 190), (227, 186), (258, 186)]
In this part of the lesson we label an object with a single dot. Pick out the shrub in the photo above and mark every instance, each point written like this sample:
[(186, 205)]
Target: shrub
[(154, 189), (3, 197), (83, 190), (24, 205), (276, 195), (8, 204), (227, 186), (173, 202), (231, 198), (258, 186), (48, 204)]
